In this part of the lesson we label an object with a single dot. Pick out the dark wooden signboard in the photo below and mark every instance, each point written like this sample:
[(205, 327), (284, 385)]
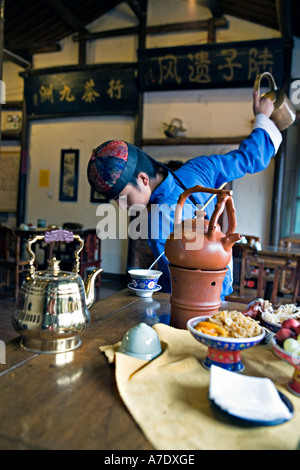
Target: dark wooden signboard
[(88, 92), (230, 64)]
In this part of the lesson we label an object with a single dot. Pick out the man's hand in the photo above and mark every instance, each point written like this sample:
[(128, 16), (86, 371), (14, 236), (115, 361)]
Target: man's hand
[(264, 105)]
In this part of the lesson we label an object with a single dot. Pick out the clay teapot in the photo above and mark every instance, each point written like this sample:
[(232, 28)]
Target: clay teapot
[(284, 113), (199, 243), (52, 305)]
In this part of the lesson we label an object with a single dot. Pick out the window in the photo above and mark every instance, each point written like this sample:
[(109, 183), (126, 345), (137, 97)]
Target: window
[(290, 226), (296, 204)]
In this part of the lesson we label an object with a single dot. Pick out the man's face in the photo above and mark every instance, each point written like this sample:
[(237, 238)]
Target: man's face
[(135, 195)]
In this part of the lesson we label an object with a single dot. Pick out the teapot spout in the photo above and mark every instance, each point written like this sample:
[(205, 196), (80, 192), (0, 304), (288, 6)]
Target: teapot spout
[(229, 240), (90, 287)]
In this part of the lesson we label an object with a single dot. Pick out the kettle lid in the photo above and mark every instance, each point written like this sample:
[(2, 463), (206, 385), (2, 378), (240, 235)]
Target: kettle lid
[(53, 272)]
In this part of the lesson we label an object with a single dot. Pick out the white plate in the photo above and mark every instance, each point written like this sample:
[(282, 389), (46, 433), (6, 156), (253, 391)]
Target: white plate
[(142, 292)]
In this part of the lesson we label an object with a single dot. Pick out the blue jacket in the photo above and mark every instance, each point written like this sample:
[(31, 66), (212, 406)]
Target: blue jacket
[(253, 155)]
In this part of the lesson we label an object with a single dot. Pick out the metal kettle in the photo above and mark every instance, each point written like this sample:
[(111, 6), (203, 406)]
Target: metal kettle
[(174, 129), (199, 243), (284, 113), (52, 306)]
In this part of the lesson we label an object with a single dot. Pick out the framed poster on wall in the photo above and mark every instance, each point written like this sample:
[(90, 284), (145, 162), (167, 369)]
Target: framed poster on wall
[(9, 180), (99, 198), (68, 187)]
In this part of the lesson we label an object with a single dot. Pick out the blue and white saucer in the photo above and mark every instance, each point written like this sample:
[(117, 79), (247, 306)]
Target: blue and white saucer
[(143, 292)]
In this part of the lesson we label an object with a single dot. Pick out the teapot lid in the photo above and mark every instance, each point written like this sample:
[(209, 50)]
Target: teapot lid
[(54, 272)]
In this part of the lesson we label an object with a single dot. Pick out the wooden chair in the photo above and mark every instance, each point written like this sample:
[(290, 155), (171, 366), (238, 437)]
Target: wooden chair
[(290, 243), (290, 278), (258, 276), (140, 254), (65, 251), (90, 256), (12, 265), (267, 278), (240, 254)]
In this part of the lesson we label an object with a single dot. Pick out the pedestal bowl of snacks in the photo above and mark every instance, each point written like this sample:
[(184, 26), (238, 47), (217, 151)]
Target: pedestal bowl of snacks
[(286, 346), (274, 318), (226, 334)]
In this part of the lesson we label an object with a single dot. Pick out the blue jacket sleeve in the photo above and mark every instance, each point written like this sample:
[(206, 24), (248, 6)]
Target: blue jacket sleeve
[(253, 155)]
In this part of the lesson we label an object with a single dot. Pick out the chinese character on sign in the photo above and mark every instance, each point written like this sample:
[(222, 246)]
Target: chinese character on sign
[(46, 93), (259, 62), (230, 55), (115, 89), (168, 68), (66, 95), (90, 94), (200, 68)]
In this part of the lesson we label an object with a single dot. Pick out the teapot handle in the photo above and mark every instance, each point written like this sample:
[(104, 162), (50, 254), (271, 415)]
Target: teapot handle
[(223, 200), (218, 210), (271, 81), (59, 235)]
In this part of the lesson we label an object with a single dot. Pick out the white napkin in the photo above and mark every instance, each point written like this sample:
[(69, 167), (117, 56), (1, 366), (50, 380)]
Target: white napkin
[(253, 398)]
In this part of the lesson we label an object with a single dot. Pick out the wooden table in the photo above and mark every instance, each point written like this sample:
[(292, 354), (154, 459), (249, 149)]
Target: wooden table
[(70, 400), (276, 258), (280, 252)]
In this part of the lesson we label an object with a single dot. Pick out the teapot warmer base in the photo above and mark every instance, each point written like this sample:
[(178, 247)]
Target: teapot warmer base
[(195, 292), (50, 347)]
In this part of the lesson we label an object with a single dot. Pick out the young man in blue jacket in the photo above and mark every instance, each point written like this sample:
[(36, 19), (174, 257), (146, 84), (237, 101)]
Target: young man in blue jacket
[(125, 173)]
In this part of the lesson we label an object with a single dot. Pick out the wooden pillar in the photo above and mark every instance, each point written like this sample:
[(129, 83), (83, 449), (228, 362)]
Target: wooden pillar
[(141, 45), (82, 49), (2, 3), (284, 21), (23, 170)]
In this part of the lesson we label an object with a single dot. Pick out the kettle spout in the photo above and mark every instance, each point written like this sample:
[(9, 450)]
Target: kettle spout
[(229, 240), (90, 287)]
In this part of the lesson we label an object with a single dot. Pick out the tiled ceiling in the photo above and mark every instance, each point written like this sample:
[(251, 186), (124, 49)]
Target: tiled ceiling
[(37, 26)]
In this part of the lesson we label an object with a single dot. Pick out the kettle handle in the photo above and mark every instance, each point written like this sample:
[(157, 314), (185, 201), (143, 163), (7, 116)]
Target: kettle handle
[(224, 199), (179, 121), (259, 78), (59, 235)]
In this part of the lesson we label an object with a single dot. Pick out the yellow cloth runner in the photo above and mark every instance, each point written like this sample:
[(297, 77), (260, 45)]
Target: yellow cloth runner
[(168, 397)]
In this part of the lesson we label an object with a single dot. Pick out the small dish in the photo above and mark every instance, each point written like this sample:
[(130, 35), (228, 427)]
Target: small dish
[(223, 351), (142, 342), (284, 312), (145, 292), (240, 420), (294, 360), (272, 326)]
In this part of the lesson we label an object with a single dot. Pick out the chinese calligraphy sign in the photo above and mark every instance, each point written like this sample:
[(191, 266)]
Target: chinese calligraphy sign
[(82, 92), (210, 65)]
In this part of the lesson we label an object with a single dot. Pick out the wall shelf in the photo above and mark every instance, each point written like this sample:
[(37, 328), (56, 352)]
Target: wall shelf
[(192, 141)]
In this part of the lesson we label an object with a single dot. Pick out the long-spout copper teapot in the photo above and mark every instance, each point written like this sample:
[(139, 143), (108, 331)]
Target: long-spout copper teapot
[(52, 305), (199, 243), (284, 113)]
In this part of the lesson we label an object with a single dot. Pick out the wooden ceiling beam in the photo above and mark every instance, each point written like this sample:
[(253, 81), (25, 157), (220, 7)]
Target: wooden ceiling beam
[(284, 18), (263, 13), (157, 29), (16, 59), (66, 15), (135, 8)]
